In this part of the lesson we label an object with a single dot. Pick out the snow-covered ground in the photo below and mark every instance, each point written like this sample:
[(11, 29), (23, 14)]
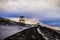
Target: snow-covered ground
[(6, 31)]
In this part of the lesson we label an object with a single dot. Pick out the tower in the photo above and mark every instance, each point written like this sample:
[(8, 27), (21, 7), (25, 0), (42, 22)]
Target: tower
[(22, 20)]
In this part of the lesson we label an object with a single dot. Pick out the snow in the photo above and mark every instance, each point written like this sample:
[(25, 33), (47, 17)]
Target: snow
[(6, 31)]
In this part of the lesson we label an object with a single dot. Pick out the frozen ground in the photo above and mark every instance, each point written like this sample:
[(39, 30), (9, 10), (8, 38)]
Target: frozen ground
[(6, 31)]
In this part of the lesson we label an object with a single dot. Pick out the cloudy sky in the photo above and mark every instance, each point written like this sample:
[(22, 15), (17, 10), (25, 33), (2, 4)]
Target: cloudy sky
[(43, 9), (38, 9)]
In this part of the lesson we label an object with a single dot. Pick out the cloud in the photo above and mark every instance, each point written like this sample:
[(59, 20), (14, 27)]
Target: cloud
[(36, 8), (28, 5)]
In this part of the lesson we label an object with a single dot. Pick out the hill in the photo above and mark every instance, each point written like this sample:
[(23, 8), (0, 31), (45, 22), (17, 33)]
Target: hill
[(36, 33), (4, 21)]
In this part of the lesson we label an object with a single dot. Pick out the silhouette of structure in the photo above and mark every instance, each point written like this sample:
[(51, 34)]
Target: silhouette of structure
[(22, 21)]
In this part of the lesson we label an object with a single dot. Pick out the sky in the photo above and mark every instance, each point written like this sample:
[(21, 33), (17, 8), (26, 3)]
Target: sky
[(39, 9)]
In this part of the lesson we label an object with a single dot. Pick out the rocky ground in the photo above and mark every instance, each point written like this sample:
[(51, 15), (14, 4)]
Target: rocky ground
[(36, 33), (11, 30)]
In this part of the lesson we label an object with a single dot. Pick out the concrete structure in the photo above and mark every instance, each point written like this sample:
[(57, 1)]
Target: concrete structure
[(22, 19)]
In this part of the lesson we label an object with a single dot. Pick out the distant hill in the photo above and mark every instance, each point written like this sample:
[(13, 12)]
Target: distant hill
[(27, 20), (4, 21)]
